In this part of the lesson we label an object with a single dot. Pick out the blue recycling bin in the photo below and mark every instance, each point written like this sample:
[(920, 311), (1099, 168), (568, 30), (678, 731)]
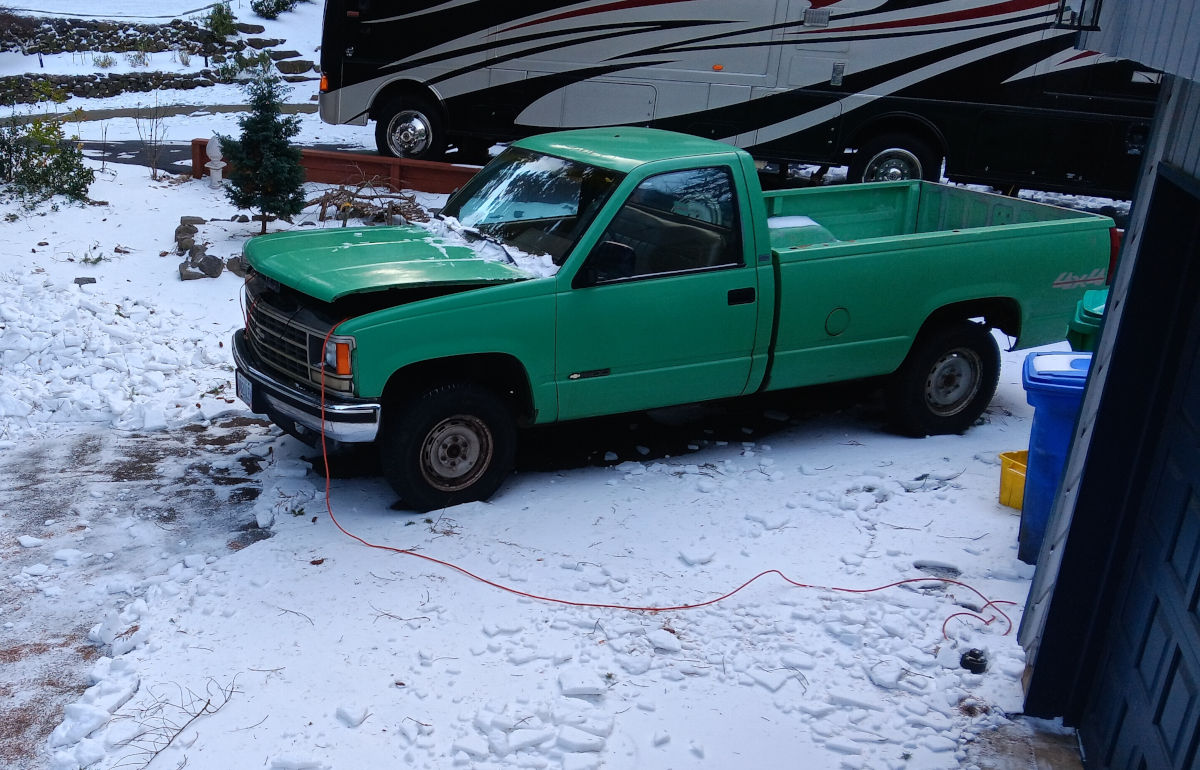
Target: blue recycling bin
[(1054, 385)]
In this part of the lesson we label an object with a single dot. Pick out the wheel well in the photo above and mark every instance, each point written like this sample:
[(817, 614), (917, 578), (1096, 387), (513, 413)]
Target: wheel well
[(1000, 313), (899, 124), (399, 89), (500, 373)]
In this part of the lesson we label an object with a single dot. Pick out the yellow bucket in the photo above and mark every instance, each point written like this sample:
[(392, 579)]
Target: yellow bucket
[(1012, 478)]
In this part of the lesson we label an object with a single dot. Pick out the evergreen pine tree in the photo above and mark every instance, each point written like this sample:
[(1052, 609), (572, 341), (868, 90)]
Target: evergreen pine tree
[(266, 172)]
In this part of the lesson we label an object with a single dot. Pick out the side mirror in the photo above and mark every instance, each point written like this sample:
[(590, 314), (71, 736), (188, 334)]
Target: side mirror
[(609, 261)]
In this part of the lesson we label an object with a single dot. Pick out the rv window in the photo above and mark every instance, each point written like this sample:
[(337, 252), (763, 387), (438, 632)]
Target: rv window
[(1079, 14)]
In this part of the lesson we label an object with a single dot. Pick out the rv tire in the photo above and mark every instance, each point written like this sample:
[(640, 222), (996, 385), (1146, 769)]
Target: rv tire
[(410, 127)]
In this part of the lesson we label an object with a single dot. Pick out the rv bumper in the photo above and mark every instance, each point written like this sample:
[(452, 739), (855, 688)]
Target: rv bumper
[(330, 107)]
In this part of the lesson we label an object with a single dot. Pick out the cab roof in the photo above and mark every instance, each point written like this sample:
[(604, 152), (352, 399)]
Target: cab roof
[(622, 148)]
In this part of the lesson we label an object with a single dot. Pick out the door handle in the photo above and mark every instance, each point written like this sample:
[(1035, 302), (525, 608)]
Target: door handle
[(741, 296)]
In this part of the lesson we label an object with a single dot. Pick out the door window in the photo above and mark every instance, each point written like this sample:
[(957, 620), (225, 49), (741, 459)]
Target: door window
[(677, 222)]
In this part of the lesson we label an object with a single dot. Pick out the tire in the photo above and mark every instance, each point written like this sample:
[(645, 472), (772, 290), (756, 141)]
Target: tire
[(947, 380), (893, 157), (454, 444), (410, 127)]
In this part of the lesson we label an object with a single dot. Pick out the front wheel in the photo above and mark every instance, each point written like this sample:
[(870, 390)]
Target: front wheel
[(410, 127), (947, 380), (454, 444)]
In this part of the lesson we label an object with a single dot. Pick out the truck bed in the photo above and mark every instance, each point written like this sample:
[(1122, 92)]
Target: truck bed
[(890, 209), (858, 268)]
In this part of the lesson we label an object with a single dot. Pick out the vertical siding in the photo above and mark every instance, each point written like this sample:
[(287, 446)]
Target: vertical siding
[(1164, 34), (1183, 146)]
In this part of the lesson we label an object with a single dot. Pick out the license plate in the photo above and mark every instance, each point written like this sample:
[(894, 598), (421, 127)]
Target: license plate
[(245, 389)]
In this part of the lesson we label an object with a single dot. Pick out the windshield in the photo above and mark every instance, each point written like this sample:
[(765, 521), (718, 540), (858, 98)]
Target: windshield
[(535, 203)]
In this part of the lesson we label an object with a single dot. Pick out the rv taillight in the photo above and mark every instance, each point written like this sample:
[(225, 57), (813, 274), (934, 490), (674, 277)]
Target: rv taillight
[(324, 82), (1115, 236)]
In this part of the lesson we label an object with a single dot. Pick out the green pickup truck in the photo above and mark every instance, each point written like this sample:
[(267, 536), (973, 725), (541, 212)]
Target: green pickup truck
[(602, 271)]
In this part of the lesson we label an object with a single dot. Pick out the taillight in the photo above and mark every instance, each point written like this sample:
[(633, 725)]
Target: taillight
[(324, 82), (1115, 236)]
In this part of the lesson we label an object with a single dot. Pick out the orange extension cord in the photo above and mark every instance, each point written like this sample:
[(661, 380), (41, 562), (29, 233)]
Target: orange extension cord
[(987, 603)]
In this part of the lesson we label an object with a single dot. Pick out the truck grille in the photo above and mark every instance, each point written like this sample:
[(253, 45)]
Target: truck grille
[(287, 347)]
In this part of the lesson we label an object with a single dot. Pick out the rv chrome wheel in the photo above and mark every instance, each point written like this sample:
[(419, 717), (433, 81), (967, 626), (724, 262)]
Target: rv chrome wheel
[(409, 127), (408, 134), (893, 165), (894, 158)]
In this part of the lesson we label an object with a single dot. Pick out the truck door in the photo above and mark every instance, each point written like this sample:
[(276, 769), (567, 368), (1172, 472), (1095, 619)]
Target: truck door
[(664, 308)]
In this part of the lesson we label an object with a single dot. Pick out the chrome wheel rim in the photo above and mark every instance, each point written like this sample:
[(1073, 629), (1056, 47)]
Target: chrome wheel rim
[(953, 382), (894, 164), (456, 452), (409, 133)]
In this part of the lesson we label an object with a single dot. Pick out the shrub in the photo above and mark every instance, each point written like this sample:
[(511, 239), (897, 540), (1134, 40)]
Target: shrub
[(37, 159), (221, 21), (40, 163), (137, 58), (103, 60), (270, 9), (265, 168), (234, 68)]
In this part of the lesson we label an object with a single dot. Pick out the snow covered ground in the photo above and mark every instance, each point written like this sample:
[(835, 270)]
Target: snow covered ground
[(324, 653), (308, 649)]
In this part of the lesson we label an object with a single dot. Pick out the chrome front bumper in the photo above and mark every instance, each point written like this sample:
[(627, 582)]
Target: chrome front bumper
[(298, 411)]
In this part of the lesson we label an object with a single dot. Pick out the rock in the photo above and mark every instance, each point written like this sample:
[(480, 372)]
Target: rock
[(299, 79), (238, 266), (241, 218), (210, 265), (184, 231), (184, 244), (84, 279), (197, 252), (260, 217), (279, 55), (186, 220), (294, 66), (250, 29), (187, 273), (259, 43)]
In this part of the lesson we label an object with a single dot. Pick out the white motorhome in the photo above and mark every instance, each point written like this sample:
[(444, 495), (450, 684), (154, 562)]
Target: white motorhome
[(993, 88)]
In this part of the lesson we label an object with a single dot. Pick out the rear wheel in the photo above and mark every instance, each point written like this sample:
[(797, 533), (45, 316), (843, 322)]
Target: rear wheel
[(454, 444), (895, 157), (410, 127), (947, 380)]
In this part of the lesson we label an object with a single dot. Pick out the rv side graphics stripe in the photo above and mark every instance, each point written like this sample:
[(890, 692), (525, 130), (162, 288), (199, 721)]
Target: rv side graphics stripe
[(620, 5), (542, 37), (777, 108), (1000, 9)]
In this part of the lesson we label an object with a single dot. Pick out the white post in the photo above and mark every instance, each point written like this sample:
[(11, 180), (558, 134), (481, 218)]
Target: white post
[(215, 164)]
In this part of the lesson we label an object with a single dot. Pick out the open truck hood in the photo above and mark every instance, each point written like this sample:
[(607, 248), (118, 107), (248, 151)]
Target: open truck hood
[(332, 263)]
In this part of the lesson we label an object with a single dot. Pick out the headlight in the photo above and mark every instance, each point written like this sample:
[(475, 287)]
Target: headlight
[(337, 355)]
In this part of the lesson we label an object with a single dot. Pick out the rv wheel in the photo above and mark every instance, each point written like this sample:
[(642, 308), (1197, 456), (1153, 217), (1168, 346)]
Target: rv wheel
[(895, 157), (410, 127)]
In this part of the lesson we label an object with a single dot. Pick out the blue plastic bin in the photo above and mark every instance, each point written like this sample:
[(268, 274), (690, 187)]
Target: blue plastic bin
[(1054, 385)]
